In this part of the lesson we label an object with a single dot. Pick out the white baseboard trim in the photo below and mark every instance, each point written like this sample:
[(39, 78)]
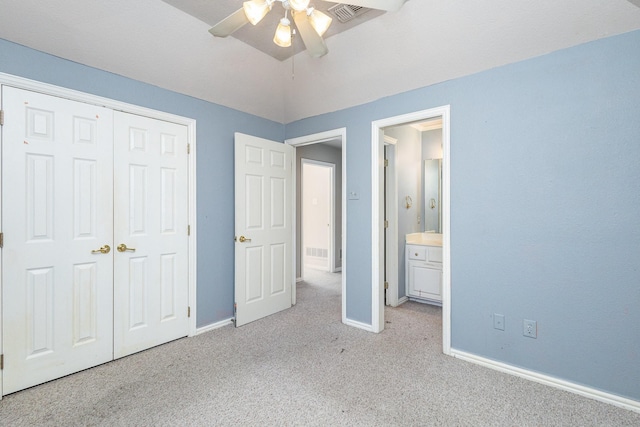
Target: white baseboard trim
[(589, 392), (358, 325), (213, 326), (337, 270), (298, 279), (403, 300)]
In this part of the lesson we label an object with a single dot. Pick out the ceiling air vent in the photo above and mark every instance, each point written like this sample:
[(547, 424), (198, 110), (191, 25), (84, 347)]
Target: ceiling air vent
[(346, 12)]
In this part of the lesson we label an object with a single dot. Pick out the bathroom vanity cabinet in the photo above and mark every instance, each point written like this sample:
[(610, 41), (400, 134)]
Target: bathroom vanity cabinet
[(424, 270)]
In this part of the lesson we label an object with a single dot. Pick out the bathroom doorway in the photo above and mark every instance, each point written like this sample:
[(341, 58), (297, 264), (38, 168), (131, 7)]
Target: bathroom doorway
[(412, 209)]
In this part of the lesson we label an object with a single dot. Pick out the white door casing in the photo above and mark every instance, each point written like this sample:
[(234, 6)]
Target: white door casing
[(263, 227), (57, 212), (331, 135), (391, 232), (151, 295), (377, 136)]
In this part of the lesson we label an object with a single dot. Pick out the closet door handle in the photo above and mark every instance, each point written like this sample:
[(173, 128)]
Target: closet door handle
[(122, 247), (103, 250)]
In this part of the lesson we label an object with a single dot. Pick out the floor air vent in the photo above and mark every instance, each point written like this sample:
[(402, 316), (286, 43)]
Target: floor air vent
[(317, 252), (346, 12)]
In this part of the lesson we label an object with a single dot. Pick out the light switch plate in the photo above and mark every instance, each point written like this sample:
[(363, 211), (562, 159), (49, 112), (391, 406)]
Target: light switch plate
[(498, 321)]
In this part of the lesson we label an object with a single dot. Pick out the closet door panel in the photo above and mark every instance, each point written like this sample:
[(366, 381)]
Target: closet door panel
[(151, 269), (57, 199)]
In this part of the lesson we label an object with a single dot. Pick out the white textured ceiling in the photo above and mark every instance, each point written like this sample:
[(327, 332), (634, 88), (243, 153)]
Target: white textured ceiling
[(426, 42), (260, 36)]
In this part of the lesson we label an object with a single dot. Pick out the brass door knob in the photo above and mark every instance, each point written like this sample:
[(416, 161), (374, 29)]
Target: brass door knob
[(244, 239), (122, 247), (103, 250)]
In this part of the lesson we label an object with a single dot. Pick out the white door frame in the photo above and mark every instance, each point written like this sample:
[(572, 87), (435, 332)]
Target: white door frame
[(377, 184), (48, 89), (317, 138), (391, 201), (331, 266)]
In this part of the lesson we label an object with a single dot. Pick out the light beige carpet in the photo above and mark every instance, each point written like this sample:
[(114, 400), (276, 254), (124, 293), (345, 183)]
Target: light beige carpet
[(303, 367)]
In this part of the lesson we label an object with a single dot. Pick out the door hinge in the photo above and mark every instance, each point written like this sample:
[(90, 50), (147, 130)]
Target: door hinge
[(188, 148), (386, 223), (1, 240), (188, 230), (188, 311), (1, 362), (386, 285), (386, 163), (1, 117)]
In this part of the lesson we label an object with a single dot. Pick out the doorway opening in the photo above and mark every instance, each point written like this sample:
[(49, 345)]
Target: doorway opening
[(412, 207), (317, 217), (322, 149)]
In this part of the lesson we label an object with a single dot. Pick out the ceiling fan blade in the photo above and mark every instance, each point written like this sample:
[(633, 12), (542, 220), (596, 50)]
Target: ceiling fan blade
[(388, 5), (313, 42), (230, 24)]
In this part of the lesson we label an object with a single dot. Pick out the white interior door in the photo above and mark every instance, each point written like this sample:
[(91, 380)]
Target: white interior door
[(151, 219), (263, 227), (57, 214)]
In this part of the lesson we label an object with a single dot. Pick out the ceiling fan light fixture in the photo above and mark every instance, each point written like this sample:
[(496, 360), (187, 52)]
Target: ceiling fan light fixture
[(283, 33), (319, 21), (299, 5), (256, 9)]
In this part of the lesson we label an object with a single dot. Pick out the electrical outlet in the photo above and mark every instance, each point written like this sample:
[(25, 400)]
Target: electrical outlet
[(530, 328), (498, 321)]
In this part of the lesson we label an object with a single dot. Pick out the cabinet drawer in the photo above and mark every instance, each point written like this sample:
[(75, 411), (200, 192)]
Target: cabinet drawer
[(435, 254), (417, 252)]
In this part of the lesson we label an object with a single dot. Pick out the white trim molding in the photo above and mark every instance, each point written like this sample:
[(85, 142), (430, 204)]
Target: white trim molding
[(359, 325), (548, 380), (391, 200), (214, 326), (317, 138), (377, 174)]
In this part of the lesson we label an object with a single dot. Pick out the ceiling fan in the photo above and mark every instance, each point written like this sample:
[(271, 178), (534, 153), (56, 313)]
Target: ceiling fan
[(311, 23)]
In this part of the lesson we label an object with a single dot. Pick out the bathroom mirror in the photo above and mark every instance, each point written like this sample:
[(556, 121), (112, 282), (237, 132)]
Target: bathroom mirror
[(432, 196)]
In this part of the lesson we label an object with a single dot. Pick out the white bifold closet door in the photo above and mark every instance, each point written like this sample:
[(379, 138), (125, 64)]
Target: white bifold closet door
[(57, 211), (70, 299), (150, 276)]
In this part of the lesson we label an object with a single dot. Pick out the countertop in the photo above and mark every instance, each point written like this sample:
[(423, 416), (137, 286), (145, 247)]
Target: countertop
[(424, 239)]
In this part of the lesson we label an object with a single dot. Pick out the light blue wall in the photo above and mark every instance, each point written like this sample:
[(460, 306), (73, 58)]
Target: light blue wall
[(545, 207), (544, 198), (215, 128)]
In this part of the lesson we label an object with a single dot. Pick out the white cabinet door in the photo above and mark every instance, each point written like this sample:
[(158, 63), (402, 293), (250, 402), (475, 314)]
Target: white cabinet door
[(426, 282), (263, 226), (151, 219), (56, 213)]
